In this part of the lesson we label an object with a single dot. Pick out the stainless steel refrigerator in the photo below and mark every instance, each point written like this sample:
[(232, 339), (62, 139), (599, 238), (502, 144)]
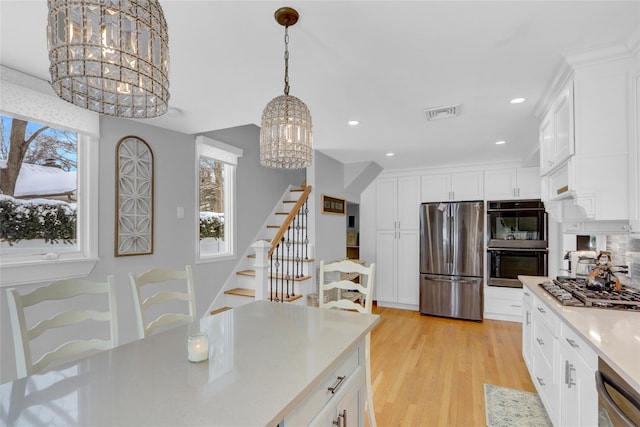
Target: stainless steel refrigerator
[(451, 259)]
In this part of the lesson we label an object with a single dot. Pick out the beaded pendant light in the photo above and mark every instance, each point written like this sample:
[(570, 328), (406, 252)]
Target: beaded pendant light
[(110, 56), (286, 140)]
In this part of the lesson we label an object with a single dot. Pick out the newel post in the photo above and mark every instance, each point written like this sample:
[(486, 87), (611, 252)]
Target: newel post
[(261, 268)]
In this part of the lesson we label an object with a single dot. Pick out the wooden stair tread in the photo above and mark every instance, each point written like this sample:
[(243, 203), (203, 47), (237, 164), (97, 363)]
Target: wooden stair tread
[(220, 310), (252, 273), (241, 292), (289, 201), (278, 226), (282, 213), (286, 299), (286, 259)]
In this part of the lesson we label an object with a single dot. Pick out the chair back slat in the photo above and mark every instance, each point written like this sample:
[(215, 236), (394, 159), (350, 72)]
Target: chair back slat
[(143, 305), (71, 349), (347, 268)]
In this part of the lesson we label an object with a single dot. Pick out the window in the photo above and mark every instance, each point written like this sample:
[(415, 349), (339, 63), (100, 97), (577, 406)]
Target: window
[(48, 197), (38, 188), (215, 170)]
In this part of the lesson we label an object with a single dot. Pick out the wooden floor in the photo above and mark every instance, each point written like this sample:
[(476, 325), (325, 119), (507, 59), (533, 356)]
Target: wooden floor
[(430, 371)]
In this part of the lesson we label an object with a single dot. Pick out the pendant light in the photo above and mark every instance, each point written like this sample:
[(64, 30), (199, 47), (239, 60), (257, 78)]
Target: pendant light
[(286, 140), (110, 56)]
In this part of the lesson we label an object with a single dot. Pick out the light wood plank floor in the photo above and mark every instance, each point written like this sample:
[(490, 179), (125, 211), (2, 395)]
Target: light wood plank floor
[(430, 371)]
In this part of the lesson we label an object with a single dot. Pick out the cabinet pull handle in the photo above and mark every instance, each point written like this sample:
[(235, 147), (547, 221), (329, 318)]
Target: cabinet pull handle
[(568, 378), (541, 310), (527, 318), (572, 343), (541, 381), (342, 419), (526, 293), (337, 385), (516, 305), (540, 341)]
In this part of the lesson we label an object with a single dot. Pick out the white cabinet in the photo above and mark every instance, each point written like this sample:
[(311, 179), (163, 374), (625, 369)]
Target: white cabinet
[(397, 241), (460, 186), (345, 411), (556, 131), (591, 131), (578, 364), (342, 389), (398, 268), (634, 149), (397, 203), (527, 326), (501, 303), (513, 183), (561, 364)]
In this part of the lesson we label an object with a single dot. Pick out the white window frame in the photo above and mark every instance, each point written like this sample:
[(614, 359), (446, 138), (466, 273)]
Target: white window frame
[(227, 154), (28, 98)]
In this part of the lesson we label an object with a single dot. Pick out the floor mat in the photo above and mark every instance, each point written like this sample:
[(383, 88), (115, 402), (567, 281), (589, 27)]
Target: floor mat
[(506, 407)]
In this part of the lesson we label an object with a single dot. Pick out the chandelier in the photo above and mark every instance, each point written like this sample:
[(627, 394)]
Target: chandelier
[(286, 140), (111, 57)]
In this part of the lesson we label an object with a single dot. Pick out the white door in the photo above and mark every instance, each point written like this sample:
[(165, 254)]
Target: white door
[(386, 266), (436, 188), (500, 184), (529, 183), (386, 203), (408, 267), (467, 186), (408, 202)]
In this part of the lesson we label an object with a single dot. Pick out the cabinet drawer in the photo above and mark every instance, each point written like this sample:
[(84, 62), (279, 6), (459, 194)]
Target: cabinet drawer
[(579, 346), (544, 341), (321, 395), (543, 379), (544, 313), (504, 306)]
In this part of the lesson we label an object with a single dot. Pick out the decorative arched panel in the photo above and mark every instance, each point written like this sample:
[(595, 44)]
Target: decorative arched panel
[(134, 197)]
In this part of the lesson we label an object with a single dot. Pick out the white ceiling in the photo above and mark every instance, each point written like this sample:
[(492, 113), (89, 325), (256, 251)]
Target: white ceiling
[(379, 62)]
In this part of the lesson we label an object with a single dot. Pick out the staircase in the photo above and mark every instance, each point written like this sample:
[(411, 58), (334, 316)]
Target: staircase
[(279, 266)]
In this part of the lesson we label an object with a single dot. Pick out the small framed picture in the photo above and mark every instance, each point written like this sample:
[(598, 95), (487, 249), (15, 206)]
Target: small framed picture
[(333, 205)]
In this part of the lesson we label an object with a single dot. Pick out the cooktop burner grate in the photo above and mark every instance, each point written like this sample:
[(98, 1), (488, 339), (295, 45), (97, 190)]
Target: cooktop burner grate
[(576, 293)]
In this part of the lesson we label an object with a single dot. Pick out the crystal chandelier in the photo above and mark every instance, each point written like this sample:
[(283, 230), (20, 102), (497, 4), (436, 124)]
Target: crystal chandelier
[(286, 140), (110, 56)]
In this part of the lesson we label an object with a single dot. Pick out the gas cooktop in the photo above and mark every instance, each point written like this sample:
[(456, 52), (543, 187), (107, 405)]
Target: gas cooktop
[(576, 293)]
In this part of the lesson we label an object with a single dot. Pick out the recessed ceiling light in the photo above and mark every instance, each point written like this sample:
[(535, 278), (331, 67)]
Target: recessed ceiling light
[(500, 142), (390, 154), (353, 122), (517, 100)]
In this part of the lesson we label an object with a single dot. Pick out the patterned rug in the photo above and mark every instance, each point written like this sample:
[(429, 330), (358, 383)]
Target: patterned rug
[(506, 407)]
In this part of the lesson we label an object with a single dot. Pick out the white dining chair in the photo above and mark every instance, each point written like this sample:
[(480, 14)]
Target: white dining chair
[(71, 292), (166, 296), (337, 290)]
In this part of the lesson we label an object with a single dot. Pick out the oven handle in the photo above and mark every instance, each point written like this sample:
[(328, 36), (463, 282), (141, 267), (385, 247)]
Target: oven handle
[(518, 250), (601, 379)]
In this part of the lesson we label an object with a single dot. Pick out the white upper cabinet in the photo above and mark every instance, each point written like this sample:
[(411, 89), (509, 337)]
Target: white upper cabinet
[(556, 131), (513, 183), (459, 186), (591, 135), (397, 203)]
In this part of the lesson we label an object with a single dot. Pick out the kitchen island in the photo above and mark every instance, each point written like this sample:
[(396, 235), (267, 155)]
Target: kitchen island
[(568, 348), (268, 363), (614, 335)]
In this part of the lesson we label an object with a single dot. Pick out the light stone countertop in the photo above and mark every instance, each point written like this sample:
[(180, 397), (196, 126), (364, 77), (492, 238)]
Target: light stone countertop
[(263, 358), (613, 334)]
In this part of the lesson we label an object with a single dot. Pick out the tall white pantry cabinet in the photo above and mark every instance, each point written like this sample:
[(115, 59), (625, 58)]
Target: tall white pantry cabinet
[(397, 241)]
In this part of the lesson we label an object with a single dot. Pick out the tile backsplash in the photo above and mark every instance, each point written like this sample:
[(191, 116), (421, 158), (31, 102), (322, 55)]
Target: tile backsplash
[(625, 250)]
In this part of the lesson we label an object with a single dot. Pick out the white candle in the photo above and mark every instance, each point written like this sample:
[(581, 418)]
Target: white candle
[(198, 347)]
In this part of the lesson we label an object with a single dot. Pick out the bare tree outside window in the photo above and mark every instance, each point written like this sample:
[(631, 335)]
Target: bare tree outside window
[(38, 188), (212, 206)]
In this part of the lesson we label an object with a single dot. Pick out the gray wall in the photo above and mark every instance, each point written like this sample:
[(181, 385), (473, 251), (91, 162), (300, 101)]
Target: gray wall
[(330, 236), (257, 191)]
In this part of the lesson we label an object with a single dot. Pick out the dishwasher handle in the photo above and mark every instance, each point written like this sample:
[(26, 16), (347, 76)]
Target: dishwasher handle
[(602, 379)]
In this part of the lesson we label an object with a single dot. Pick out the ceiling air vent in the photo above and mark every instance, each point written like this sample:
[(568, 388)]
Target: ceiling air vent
[(438, 113)]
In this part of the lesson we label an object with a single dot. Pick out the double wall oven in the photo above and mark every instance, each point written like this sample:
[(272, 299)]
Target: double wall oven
[(517, 233)]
